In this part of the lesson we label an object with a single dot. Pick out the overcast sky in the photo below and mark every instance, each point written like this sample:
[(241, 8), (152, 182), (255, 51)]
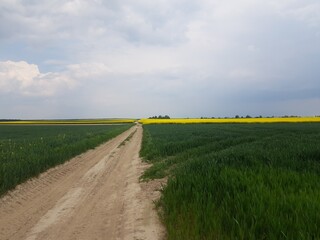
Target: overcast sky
[(139, 58)]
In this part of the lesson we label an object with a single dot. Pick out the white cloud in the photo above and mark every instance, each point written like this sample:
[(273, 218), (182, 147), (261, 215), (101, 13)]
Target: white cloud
[(160, 53), (88, 70), (309, 13), (25, 79)]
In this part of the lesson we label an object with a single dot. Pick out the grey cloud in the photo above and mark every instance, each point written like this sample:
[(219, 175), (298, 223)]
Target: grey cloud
[(188, 58)]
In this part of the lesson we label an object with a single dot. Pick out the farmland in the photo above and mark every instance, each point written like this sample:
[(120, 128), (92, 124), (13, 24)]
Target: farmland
[(28, 150), (237, 181), (68, 121), (230, 120)]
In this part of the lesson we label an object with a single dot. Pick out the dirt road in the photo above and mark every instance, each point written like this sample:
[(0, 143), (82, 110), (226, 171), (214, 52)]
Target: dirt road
[(96, 195)]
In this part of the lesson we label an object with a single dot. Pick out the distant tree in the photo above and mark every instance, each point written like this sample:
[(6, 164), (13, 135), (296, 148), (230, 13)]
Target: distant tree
[(237, 116), (10, 120), (248, 116), (160, 117)]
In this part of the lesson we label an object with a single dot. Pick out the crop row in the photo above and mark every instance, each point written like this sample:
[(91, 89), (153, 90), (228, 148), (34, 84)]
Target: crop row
[(67, 121), (28, 150), (237, 181)]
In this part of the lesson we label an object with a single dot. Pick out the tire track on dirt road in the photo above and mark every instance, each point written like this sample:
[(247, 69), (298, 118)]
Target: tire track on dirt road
[(96, 195)]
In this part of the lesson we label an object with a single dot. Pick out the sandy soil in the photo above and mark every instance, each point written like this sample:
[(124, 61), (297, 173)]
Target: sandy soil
[(96, 195)]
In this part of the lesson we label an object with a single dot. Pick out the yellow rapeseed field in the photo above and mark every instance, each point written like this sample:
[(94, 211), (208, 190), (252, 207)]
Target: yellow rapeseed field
[(232, 120)]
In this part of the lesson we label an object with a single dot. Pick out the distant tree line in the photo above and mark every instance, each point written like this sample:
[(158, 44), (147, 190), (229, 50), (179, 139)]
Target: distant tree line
[(260, 116), (160, 117), (236, 116), (248, 116), (9, 120)]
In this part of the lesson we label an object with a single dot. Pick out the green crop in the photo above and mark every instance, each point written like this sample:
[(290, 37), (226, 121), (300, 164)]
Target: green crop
[(237, 181), (28, 150)]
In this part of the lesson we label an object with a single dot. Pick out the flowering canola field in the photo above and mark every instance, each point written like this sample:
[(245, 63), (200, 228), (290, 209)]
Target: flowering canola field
[(231, 120)]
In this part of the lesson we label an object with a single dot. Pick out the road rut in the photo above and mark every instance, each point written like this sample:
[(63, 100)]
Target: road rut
[(96, 195)]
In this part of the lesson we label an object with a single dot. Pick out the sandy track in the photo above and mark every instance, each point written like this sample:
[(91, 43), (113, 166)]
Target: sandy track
[(96, 195)]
